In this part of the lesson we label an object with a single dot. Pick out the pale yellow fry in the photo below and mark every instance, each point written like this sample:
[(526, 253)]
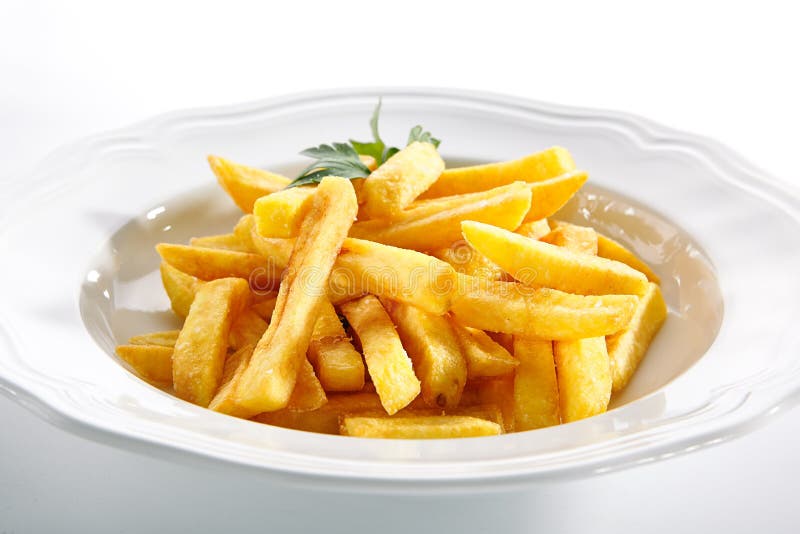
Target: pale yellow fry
[(164, 339), (245, 184), (533, 168), (546, 313), (243, 230), (575, 238), (308, 393), (536, 263), (151, 362), (265, 308), (247, 329), (498, 391), (584, 378), (422, 427), (338, 364), (224, 241), (269, 379), (395, 184), (466, 260), (610, 249), (280, 214), (212, 263), (549, 196), (627, 347), (506, 209), (203, 342), (435, 351), (387, 362), (484, 356), (535, 384), (534, 229), (180, 288)]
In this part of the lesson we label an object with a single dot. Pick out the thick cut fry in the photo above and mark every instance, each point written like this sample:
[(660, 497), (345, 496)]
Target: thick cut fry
[(151, 362), (534, 229), (245, 184), (549, 196), (180, 288), (247, 329), (506, 209), (281, 213), (387, 362), (244, 229), (224, 241), (212, 263), (164, 339), (270, 378), (610, 249), (203, 342), (308, 393), (484, 356), (265, 308), (535, 384), (575, 238), (627, 347), (533, 168), (546, 313), (435, 351), (584, 378), (338, 364), (396, 183), (466, 260), (398, 274), (497, 391), (422, 427), (536, 263)]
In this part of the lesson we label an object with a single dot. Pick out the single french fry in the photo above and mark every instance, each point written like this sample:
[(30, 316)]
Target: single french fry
[(498, 391), (516, 309), (387, 362), (247, 329), (203, 342), (549, 196), (627, 347), (533, 262), (338, 364), (265, 308), (394, 185), (212, 263), (435, 351), (584, 378), (308, 393), (164, 339), (533, 168), (224, 241), (506, 209), (610, 249), (535, 384), (575, 238), (421, 427), (270, 378), (484, 356), (180, 288), (244, 229), (534, 229), (466, 260), (280, 214), (245, 184), (151, 362)]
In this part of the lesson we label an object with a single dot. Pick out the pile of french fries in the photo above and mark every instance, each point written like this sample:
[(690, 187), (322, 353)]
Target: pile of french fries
[(419, 302)]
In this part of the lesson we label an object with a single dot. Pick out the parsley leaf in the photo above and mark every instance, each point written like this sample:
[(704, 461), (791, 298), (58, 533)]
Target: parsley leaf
[(336, 159), (377, 147), (418, 134)]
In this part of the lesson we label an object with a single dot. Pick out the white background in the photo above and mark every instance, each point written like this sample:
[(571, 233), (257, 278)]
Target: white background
[(69, 69)]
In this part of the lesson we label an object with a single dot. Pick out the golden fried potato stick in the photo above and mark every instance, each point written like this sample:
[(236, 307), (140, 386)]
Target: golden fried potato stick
[(245, 184), (549, 196), (533, 168), (536, 400), (203, 342), (270, 378), (497, 391), (610, 249), (418, 427), (338, 364), (627, 347), (180, 288), (516, 309), (534, 229), (212, 263), (308, 393), (484, 356), (266, 307), (575, 238), (281, 213), (394, 185), (151, 362), (224, 241), (387, 362), (247, 329), (466, 260), (505, 209), (434, 349), (584, 378), (244, 229), (536, 263), (164, 339)]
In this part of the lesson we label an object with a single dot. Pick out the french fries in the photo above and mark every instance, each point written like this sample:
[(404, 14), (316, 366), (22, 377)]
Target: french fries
[(388, 363), (456, 305)]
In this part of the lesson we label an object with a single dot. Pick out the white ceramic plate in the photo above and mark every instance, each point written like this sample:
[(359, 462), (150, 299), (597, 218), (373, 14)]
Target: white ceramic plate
[(79, 275)]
